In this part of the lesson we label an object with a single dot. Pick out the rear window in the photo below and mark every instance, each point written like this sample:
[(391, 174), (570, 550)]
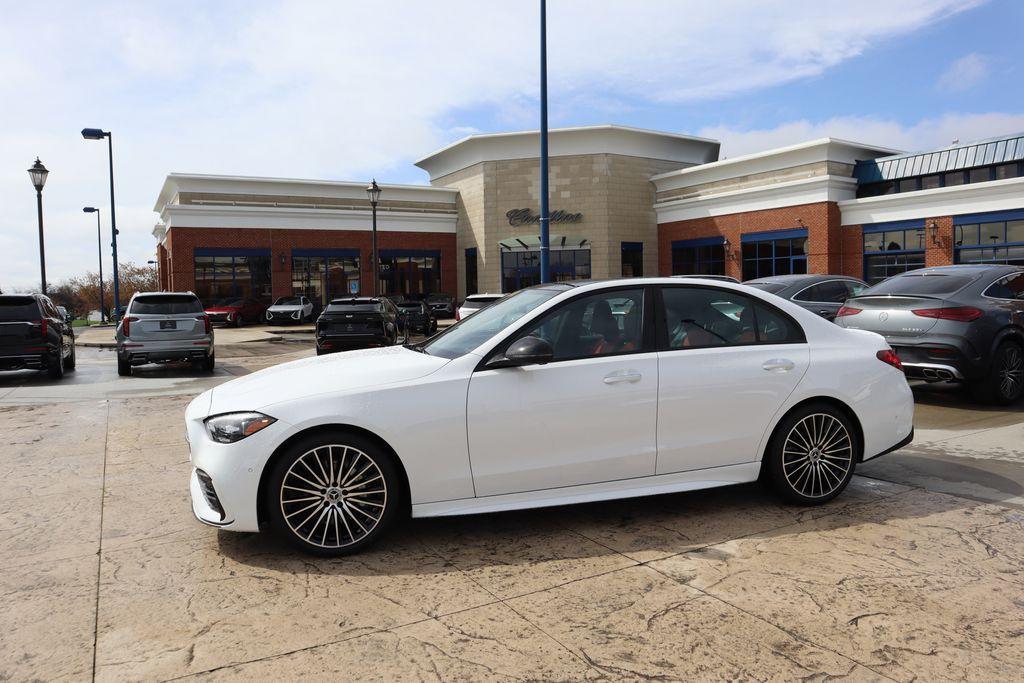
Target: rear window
[(354, 306), (771, 287), (921, 284), (18, 308), (174, 304)]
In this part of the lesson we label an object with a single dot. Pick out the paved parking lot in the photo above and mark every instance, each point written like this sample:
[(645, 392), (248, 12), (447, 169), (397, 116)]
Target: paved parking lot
[(915, 572)]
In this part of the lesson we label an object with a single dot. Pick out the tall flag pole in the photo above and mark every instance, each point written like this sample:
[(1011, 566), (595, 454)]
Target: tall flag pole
[(545, 268)]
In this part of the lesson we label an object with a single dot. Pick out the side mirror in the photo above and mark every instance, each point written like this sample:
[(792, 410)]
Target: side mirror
[(526, 351)]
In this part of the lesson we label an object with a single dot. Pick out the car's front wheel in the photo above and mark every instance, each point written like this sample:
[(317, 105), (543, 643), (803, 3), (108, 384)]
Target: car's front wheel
[(333, 493), (812, 454)]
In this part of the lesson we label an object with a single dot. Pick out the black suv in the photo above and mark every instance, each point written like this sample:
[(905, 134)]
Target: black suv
[(358, 322), (418, 317), (34, 335)]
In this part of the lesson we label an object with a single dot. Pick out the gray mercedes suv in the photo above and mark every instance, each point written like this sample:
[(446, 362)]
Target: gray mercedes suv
[(164, 327), (951, 324)]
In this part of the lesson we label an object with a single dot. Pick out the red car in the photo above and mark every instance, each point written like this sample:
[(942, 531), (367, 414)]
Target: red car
[(234, 311)]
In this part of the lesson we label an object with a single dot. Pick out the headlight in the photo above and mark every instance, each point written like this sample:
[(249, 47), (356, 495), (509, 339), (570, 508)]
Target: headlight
[(232, 427)]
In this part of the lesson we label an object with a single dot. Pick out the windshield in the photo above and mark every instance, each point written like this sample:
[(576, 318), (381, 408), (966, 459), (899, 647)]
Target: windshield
[(767, 286), (288, 301), (926, 283), (471, 332)]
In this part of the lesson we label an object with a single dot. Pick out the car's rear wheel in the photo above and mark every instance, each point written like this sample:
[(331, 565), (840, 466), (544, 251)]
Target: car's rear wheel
[(69, 364), (333, 493), (124, 368), (208, 363), (812, 454), (1005, 383), (55, 370)]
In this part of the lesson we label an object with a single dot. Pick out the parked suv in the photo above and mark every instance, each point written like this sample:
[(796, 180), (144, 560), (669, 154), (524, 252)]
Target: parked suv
[(164, 327), (951, 324), (418, 317), (34, 335), (357, 322), (443, 305), (821, 294), (474, 302)]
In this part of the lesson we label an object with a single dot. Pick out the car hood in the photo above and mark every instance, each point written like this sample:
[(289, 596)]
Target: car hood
[(291, 308), (334, 373)]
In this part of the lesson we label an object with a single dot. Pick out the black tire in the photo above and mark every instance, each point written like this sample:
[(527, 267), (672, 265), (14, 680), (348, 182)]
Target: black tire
[(69, 364), (812, 454), (124, 368), (344, 520), (238, 321), (55, 370), (1005, 383), (208, 363)]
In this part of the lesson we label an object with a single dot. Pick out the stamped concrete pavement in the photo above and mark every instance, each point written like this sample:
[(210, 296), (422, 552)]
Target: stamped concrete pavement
[(106, 575)]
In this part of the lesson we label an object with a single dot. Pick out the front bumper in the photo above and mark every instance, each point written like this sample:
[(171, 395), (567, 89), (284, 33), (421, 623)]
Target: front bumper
[(232, 471), (139, 353), (350, 341), (284, 316)]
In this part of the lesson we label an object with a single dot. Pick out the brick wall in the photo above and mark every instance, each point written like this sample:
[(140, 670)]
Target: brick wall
[(182, 242), (941, 253), (826, 240)]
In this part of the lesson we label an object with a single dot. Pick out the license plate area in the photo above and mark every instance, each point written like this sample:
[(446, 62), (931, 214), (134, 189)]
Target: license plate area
[(168, 325)]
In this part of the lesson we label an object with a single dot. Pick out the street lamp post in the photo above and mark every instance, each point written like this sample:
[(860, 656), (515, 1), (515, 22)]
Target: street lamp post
[(38, 175), (98, 134), (99, 252), (373, 191)]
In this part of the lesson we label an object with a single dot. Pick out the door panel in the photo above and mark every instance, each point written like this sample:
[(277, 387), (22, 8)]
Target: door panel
[(561, 424), (715, 403)]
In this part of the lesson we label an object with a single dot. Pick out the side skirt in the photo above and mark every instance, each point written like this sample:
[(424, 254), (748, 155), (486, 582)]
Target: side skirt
[(587, 493)]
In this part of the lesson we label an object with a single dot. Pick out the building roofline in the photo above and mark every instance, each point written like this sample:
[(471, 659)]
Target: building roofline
[(777, 151)]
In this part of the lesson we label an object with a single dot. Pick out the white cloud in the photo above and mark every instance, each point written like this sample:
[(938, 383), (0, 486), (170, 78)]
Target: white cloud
[(964, 73), (346, 90), (926, 134)]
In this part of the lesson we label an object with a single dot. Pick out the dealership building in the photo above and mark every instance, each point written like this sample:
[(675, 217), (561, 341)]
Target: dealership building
[(624, 202)]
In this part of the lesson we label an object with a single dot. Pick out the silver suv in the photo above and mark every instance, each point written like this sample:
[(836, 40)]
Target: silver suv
[(164, 327)]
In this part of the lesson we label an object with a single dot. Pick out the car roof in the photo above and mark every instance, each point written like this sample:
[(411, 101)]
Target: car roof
[(972, 268), (800, 279), (481, 297)]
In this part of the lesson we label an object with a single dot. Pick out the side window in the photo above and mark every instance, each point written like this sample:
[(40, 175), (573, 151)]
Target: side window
[(773, 327), (854, 288), (595, 325), (834, 292), (1015, 283), (1009, 287), (699, 317)]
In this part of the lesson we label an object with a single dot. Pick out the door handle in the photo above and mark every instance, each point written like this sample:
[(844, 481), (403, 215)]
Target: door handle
[(778, 365), (622, 376)]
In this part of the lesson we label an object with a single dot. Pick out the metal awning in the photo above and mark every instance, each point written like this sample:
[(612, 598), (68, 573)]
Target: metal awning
[(956, 158), (532, 242)]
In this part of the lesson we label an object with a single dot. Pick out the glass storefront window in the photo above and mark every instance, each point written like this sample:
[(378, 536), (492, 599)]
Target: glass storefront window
[(707, 259), (521, 269), (890, 252), (764, 258), (413, 273), (991, 242), (325, 276), (220, 274)]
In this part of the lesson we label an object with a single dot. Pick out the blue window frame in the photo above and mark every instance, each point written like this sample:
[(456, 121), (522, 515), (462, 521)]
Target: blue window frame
[(705, 256), (893, 248), (989, 238), (777, 252)]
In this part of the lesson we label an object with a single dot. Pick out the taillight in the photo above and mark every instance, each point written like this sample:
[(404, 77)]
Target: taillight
[(126, 326), (207, 325), (961, 314), (42, 328), (847, 310), (889, 357)]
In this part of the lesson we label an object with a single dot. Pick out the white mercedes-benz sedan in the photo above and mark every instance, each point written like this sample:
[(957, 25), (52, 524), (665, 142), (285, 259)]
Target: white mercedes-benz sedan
[(561, 393)]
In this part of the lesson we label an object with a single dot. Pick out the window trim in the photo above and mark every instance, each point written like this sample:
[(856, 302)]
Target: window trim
[(822, 282), (648, 338), (662, 325)]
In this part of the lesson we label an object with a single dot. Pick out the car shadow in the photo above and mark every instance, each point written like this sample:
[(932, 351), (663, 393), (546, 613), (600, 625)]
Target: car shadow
[(660, 526)]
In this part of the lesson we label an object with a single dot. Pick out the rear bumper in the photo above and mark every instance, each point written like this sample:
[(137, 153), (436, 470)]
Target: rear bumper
[(939, 358), (903, 442), (139, 353), (350, 341), (29, 361)]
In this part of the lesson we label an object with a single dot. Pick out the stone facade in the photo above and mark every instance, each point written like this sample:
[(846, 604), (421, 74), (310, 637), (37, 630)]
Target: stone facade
[(613, 193)]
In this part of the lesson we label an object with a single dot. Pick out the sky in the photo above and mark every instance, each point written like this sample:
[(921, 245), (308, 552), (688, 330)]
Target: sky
[(352, 90)]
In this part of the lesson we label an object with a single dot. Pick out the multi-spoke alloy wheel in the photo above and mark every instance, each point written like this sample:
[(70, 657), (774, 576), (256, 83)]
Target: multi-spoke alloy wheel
[(333, 496), (1011, 373), (812, 457)]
